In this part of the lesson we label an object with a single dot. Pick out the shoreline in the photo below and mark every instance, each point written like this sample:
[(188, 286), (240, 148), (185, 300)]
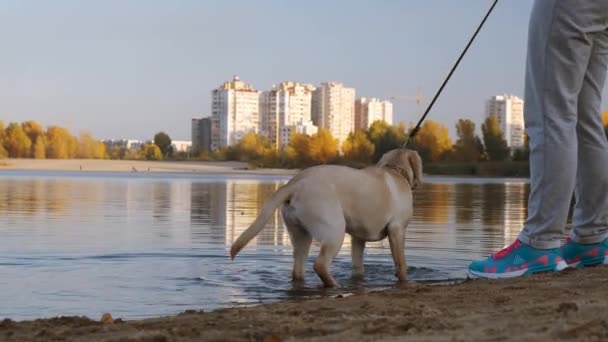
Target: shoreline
[(570, 305), (136, 166), (184, 167)]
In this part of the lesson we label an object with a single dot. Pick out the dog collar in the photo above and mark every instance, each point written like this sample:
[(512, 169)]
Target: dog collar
[(400, 171)]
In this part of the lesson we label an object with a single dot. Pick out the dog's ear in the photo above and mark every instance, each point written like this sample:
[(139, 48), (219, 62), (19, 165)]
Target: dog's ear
[(416, 165), (386, 158)]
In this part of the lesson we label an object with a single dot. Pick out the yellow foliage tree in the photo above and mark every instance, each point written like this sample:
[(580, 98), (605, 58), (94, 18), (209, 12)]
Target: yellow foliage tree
[(323, 148), (17, 143), (60, 144), (433, 140), (605, 119), (358, 148), (39, 148), (299, 149), (151, 152), (89, 147), (33, 131), (3, 152)]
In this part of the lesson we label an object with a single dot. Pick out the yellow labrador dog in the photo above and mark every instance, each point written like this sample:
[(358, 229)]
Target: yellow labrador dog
[(327, 201)]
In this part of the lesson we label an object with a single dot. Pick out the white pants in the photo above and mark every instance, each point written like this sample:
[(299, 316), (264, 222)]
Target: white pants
[(565, 74)]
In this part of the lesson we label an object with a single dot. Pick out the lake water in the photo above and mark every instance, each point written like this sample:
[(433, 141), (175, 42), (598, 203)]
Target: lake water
[(142, 244)]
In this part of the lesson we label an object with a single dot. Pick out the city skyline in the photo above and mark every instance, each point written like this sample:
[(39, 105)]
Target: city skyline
[(129, 69)]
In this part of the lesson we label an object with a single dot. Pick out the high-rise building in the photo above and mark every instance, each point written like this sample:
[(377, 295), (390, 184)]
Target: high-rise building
[(307, 128), (201, 135), (285, 105), (368, 110), (333, 108), (509, 111), (234, 112)]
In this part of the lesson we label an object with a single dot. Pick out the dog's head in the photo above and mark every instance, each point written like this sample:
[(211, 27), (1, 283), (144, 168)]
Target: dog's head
[(407, 162)]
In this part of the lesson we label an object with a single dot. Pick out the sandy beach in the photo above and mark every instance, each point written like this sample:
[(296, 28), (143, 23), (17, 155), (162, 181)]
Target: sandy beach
[(569, 306), (97, 165)]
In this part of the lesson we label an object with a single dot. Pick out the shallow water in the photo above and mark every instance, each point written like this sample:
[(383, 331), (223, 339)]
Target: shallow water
[(140, 245)]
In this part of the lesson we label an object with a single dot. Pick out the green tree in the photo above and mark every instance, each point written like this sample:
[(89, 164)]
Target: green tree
[(17, 143), (493, 139), (151, 152), (467, 147), (385, 137), (163, 141), (358, 148), (39, 148)]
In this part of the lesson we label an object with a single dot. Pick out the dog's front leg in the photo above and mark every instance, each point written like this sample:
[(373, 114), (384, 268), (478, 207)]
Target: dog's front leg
[(396, 239), (357, 249)]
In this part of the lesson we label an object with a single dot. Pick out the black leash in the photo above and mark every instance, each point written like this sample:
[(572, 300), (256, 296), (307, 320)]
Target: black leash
[(417, 128)]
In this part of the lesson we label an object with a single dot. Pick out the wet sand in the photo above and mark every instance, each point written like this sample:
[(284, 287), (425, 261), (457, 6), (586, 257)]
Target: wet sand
[(96, 165), (571, 305)]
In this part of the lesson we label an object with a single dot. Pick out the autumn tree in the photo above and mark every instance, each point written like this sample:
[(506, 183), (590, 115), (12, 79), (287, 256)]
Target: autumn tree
[(17, 143), (493, 139), (323, 147), (163, 141), (60, 144), (89, 147), (33, 131), (432, 141), (358, 148), (3, 152), (468, 147), (297, 153), (385, 137), (151, 152), (605, 121), (39, 147)]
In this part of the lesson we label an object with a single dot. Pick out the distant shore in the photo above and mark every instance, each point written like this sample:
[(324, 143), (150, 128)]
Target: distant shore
[(98, 165)]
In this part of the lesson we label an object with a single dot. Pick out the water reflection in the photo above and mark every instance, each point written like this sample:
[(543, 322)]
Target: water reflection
[(446, 213), (160, 243)]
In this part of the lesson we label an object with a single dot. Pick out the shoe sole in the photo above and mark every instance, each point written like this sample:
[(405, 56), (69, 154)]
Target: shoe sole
[(590, 263), (560, 266)]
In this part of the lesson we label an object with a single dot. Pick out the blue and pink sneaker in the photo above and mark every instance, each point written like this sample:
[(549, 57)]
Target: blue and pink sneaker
[(516, 260), (582, 255)]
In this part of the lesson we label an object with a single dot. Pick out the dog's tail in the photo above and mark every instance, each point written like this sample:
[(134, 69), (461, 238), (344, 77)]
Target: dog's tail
[(278, 198)]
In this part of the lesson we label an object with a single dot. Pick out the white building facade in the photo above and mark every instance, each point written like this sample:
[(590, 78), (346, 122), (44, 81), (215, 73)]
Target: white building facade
[(333, 108), (285, 105), (368, 110), (509, 111), (235, 111)]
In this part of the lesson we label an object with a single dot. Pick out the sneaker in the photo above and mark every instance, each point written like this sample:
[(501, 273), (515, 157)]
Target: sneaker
[(581, 255), (516, 260)]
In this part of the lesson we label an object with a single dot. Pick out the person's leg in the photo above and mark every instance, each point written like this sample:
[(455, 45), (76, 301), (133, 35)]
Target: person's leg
[(588, 243), (558, 54)]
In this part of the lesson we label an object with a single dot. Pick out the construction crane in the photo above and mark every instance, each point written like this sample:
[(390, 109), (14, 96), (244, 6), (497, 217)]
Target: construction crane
[(418, 98)]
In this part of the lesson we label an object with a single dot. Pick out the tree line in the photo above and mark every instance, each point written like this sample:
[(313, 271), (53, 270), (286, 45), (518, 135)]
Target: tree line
[(29, 139), (364, 147)]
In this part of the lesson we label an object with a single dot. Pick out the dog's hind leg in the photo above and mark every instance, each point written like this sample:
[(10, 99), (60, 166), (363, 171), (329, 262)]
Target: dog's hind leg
[(357, 248), (329, 250), (300, 240), (396, 239)]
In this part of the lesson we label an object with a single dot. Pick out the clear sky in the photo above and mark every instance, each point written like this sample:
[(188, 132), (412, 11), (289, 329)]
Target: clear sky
[(129, 68)]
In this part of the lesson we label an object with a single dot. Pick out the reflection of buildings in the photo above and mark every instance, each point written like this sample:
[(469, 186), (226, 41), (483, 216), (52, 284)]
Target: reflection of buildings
[(222, 211), (515, 210)]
